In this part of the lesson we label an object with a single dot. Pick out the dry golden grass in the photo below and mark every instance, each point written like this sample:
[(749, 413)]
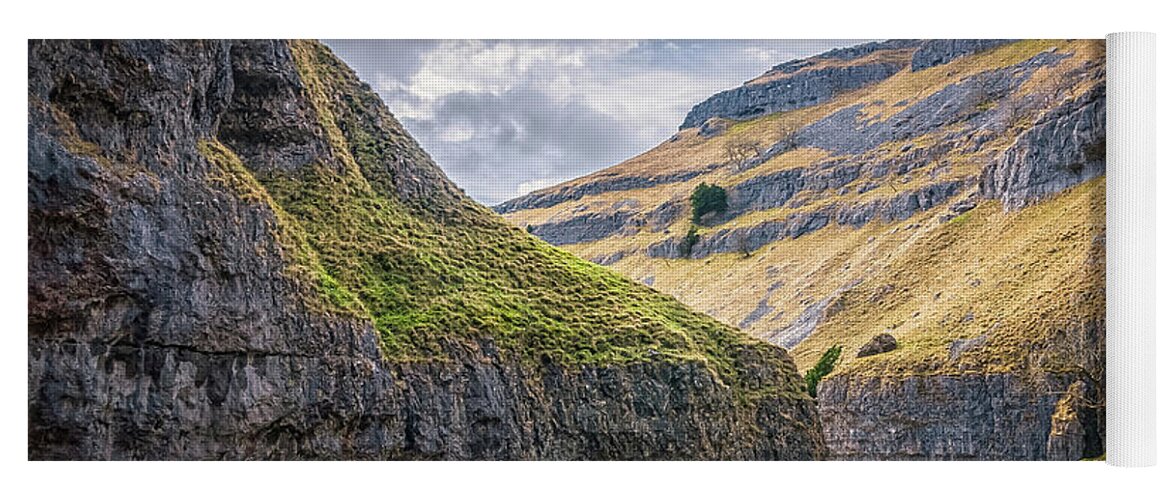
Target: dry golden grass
[(1014, 277), (1010, 270), (1048, 80), (913, 86), (730, 286)]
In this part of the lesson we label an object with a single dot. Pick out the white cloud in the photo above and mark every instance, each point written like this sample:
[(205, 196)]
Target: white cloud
[(503, 118), (475, 66), (765, 56), (457, 133), (535, 184)]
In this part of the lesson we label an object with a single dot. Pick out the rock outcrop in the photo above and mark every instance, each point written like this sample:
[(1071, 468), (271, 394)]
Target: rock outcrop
[(586, 227), (968, 104), (96, 399), (749, 238), (184, 302), (802, 83), (881, 343), (952, 417), (936, 52), (1064, 147), (1075, 429), (570, 192)]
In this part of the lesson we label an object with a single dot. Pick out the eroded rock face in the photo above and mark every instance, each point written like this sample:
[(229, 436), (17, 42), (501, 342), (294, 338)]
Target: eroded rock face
[(1051, 408), (97, 400), (1075, 427), (936, 52), (791, 88), (959, 103), (561, 194), (798, 85), (953, 417), (586, 227), (164, 322), (1064, 147), (750, 238)]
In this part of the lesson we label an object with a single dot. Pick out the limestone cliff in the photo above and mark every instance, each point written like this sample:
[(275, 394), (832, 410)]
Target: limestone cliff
[(236, 252)]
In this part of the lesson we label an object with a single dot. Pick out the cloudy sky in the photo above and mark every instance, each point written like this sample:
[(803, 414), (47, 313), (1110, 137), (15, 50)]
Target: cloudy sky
[(506, 117)]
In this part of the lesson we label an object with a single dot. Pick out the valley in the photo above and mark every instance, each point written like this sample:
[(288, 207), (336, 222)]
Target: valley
[(947, 193)]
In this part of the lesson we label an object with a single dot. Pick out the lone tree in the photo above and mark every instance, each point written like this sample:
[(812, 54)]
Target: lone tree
[(707, 199), (821, 369), (787, 136), (740, 151)]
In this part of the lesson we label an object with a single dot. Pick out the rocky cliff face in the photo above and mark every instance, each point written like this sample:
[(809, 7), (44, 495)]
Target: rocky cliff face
[(954, 202), (1062, 148), (959, 417), (222, 242), (750, 238), (807, 83), (812, 81), (573, 192), (936, 52)]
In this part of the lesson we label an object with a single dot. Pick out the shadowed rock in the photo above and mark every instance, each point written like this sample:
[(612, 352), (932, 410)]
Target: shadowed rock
[(881, 343)]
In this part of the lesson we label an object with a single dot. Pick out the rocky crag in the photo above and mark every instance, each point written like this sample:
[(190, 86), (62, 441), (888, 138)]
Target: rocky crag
[(948, 193), (236, 252), (806, 82)]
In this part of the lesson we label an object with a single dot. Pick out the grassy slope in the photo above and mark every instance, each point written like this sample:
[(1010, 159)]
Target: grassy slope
[(801, 272), (445, 269), (1023, 282)]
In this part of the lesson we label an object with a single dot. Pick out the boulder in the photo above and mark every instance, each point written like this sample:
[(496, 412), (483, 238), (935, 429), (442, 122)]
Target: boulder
[(882, 343)]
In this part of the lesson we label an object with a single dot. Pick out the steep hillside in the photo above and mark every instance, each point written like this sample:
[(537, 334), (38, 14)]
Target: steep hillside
[(235, 251), (946, 192)]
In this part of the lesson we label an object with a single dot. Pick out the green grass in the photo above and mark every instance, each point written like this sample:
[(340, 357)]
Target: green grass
[(304, 264), (961, 218), (435, 270), (424, 282)]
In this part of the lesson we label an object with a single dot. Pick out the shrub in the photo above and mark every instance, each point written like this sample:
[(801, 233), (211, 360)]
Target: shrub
[(706, 199), (821, 369), (742, 245)]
